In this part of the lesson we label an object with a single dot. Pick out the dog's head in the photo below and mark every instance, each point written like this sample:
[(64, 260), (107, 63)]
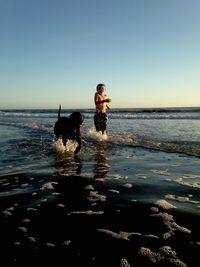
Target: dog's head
[(76, 118)]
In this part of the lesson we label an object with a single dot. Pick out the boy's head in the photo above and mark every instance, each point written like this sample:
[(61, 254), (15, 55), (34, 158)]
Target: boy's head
[(101, 86)]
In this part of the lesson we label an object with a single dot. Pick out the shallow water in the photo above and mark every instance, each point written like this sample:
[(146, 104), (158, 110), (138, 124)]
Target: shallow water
[(28, 146)]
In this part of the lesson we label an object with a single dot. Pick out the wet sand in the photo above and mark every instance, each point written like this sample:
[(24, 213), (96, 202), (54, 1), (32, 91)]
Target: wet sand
[(78, 220)]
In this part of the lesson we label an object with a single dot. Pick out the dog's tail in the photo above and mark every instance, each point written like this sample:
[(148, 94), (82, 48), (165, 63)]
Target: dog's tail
[(59, 111)]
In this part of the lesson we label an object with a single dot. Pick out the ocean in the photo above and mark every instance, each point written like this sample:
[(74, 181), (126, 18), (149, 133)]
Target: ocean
[(130, 198)]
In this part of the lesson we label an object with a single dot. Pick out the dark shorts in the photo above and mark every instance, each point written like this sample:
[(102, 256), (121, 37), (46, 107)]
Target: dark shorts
[(100, 121)]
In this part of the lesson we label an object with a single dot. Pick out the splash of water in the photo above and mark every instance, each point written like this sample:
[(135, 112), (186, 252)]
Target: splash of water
[(92, 133), (59, 147)]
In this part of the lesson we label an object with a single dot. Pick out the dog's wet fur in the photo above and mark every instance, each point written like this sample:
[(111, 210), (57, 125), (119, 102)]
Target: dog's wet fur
[(69, 128)]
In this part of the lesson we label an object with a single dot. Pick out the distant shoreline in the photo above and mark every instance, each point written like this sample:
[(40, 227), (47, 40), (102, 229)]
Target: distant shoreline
[(142, 109)]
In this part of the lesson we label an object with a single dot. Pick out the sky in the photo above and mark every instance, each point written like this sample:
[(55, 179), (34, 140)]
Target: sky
[(53, 52)]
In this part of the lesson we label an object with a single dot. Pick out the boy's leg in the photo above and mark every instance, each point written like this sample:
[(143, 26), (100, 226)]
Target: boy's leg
[(103, 122), (96, 122)]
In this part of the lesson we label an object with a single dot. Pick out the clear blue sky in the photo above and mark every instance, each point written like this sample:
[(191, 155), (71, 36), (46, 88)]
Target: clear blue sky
[(147, 52)]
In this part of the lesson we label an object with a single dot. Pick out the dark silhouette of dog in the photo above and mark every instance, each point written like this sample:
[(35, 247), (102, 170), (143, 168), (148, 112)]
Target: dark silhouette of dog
[(69, 128)]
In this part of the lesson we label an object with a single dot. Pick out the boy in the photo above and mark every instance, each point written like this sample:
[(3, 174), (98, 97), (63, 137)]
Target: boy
[(101, 100)]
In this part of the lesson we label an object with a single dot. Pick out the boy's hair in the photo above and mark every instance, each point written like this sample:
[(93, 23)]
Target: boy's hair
[(100, 85)]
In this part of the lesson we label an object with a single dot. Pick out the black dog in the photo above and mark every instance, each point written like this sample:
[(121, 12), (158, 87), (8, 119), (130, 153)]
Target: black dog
[(69, 128)]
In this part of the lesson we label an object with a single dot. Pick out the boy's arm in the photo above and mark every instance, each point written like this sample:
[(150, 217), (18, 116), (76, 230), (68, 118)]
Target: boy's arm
[(107, 107), (95, 98), (98, 100)]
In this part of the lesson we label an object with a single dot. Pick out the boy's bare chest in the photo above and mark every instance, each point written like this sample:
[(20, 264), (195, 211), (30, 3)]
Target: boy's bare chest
[(101, 97)]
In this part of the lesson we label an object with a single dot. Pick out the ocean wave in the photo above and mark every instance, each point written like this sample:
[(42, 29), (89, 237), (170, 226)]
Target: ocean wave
[(147, 113), (160, 131), (189, 148)]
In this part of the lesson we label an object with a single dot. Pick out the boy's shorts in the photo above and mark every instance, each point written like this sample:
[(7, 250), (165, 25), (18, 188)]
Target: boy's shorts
[(100, 121)]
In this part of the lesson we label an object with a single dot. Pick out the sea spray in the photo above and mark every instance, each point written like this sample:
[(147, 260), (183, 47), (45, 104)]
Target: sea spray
[(59, 147), (97, 135)]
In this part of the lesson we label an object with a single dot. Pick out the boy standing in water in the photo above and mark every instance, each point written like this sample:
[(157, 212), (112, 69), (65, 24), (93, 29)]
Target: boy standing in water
[(101, 100)]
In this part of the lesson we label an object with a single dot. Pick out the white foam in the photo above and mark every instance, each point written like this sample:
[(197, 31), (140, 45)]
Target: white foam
[(161, 172), (154, 209), (152, 256), (61, 205), (59, 147), (92, 133), (181, 199), (94, 196), (66, 243), (165, 252), (27, 220), (23, 229), (120, 235), (177, 262), (116, 177), (114, 191), (164, 204), (188, 184), (124, 263), (10, 209), (142, 176), (168, 251), (88, 212), (51, 245), (48, 185), (32, 239), (17, 243), (89, 187), (128, 185), (7, 213), (169, 221)]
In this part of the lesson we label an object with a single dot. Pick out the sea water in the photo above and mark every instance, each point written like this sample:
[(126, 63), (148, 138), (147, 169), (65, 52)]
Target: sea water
[(28, 142)]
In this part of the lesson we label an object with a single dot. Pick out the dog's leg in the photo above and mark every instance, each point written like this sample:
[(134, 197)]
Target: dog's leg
[(64, 141), (79, 141)]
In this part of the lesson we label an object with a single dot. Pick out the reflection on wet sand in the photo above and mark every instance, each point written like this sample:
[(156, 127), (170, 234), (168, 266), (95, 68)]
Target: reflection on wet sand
[(101, 166), (67, 164)]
